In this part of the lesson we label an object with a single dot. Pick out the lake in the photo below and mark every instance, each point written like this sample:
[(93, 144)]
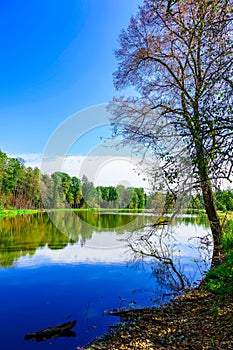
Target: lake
[(64, 265)]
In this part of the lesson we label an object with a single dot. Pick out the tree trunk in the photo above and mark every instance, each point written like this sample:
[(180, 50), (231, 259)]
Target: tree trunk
[(209, 203)]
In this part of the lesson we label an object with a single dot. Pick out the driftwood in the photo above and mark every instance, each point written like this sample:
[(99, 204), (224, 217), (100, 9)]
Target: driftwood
[(123, 312), (61, 330)]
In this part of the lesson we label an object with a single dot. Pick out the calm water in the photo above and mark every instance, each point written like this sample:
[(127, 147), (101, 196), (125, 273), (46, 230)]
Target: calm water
[(65, 266)]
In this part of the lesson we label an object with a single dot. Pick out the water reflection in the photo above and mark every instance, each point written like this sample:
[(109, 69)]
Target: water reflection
[(97, 265), (104, 237), (171, 248), (23, 235)]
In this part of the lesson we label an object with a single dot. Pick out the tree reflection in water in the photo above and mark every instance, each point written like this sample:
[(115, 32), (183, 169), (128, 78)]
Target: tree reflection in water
[(158, 242), (161, 246), (22, 235)]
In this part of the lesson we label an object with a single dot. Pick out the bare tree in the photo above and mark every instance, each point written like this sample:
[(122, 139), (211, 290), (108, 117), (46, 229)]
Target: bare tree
[(178, 57)]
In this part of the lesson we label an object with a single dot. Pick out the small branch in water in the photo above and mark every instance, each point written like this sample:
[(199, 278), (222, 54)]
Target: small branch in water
[(87, 311), (62, 330)]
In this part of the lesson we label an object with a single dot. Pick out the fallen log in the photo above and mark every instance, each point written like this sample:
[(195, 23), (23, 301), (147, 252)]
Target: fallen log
[(61, 330)]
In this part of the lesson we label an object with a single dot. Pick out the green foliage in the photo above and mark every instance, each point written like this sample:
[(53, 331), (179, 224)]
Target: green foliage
[(220, 279), (26, 188), (15, 212), (196, 202), (227, 239), (223, 199), (121, 197)]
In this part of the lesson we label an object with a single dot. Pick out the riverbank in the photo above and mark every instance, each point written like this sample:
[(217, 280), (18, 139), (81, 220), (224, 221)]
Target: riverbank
[(201, 319), (15, 212)]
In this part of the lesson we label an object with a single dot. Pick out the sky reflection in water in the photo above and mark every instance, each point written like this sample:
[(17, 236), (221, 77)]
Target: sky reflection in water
[(48, 278)]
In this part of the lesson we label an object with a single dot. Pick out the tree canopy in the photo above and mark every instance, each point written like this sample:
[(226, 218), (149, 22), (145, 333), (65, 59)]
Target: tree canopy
[(178, 57), (22, 187)]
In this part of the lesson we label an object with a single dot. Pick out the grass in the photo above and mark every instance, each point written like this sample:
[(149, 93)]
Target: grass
[(119, 210), (219, 280), (15, 212)]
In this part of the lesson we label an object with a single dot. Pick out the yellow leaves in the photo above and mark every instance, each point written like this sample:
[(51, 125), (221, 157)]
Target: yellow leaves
[(199, 320)]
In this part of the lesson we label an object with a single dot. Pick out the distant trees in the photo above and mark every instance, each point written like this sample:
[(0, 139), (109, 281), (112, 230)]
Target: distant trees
[(19, 186), (75, 196), (224, 200), (107, 196), (89, 193), (23, 187), (121, 197)]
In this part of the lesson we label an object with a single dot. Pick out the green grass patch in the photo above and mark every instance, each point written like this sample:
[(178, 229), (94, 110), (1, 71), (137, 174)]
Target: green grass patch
[(15, 212), (227, 239), (219, 280), (117, 210)]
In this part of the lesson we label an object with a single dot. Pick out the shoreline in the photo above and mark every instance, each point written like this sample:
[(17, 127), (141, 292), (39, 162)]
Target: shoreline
[(196, 320), (15, 212), (200, 319)]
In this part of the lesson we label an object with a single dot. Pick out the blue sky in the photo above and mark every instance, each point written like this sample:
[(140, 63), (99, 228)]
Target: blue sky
[(56, 59)]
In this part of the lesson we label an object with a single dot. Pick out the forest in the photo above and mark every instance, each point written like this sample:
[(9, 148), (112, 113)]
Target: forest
[(23, 187)]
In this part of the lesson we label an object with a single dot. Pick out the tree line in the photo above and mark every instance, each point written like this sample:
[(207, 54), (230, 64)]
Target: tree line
[(22, 187), (223, 200)]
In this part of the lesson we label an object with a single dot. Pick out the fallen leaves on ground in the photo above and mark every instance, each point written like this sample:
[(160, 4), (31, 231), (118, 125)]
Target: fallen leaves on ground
[(198, 320)]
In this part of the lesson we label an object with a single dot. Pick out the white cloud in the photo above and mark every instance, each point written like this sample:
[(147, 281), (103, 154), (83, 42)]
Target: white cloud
[(113, 170), (31, 159), (101, 170), (89, 254)]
